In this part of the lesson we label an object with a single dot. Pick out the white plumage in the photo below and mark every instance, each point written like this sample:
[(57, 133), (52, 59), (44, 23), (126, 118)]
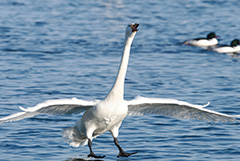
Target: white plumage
[(227, 49), (107, 114), (209, 41), (234, 47)]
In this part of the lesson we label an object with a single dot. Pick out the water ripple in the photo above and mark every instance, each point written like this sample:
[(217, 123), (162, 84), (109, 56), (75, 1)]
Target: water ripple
[(65, 49)]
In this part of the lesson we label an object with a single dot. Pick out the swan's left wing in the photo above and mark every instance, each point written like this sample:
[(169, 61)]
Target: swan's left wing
[(175, 109), (54, 107)]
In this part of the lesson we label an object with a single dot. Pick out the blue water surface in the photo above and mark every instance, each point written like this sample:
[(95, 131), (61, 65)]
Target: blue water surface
[(72, 48)]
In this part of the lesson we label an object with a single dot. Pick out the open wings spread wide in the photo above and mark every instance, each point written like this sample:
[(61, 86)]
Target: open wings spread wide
[(54, 107), (138, 106), (175, 109)]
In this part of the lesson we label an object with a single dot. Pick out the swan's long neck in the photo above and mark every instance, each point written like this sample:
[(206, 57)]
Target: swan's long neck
[(117, 91)]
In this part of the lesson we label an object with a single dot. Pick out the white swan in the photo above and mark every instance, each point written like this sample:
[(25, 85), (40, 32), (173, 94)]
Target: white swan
[(107, 114)]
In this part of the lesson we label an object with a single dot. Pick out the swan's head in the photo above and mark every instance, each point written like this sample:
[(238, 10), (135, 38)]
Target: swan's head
[(131, 30)]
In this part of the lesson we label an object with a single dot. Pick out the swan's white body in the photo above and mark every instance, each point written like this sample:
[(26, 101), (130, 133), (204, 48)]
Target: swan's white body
[(107, 115)]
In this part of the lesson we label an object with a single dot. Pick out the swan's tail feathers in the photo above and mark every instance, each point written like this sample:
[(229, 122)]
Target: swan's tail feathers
[(73, 138)]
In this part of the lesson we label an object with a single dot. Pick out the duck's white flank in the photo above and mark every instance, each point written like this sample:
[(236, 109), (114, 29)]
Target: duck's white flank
[(227, 49), (202, 42), (234, 47), (209, 41)]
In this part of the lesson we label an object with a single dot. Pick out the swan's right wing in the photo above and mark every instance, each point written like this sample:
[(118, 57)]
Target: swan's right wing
[(54, 107), (175, 109)]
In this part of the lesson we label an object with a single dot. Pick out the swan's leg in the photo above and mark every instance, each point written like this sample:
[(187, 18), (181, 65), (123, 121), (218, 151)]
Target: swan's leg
[(115, 131), (122, 153), (91, 151)]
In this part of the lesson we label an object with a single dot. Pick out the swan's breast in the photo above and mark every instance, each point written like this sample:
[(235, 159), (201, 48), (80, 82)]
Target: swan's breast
[(102, 118)]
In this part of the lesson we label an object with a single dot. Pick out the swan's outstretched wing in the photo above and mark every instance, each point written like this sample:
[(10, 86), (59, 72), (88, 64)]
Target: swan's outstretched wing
[(175, 109), (58, 107)]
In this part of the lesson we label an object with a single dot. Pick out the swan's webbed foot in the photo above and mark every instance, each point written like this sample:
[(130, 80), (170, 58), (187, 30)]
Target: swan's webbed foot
[(125, 154), (91, 151), (122, 153), (95, 156)]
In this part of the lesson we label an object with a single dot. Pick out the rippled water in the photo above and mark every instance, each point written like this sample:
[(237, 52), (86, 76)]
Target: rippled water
[(68, 48)]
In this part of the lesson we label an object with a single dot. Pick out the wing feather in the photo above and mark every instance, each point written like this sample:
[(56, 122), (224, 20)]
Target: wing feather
[(54, 107), (175, 109)]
